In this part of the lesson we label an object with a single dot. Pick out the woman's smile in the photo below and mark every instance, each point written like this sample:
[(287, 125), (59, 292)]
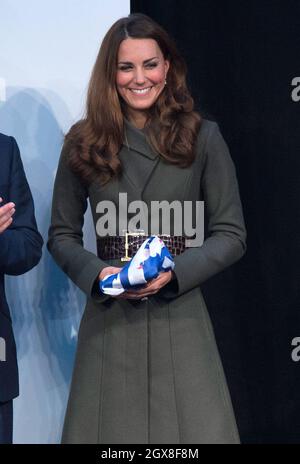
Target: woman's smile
[(141, 75), (141, 92)]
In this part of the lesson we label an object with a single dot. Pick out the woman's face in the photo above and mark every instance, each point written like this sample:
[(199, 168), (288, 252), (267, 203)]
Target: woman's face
[(141, 74)]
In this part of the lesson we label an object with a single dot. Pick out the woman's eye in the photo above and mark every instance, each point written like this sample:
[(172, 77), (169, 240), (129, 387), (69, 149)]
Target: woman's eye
[(126, 68)]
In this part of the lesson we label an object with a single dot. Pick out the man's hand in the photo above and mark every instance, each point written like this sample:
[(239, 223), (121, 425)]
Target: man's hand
[(6, 213)]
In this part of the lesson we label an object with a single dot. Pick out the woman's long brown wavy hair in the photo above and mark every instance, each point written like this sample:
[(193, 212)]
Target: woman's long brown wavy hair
[(172, 124)]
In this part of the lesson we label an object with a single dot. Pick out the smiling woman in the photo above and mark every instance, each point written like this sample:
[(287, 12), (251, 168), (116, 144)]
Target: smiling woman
[(147, 366), (135, 54), (139, 80)]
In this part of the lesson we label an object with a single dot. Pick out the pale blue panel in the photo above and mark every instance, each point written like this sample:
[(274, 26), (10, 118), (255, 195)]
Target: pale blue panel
[(47, 49)]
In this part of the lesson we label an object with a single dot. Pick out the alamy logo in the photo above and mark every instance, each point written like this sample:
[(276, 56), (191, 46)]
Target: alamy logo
[(296, 351), (296, 91), (186, 218), (2, 349)]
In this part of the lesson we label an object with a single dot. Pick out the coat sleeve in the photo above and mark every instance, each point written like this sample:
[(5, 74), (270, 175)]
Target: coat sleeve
[(226, 237), (65, 240), (20, 244)]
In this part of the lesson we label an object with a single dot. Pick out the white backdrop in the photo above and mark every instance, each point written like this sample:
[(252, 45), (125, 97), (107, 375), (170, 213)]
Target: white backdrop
[(47, 50)]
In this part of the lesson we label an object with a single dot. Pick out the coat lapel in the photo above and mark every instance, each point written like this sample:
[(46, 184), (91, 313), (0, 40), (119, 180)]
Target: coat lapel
[(136, 140), (138, 158)]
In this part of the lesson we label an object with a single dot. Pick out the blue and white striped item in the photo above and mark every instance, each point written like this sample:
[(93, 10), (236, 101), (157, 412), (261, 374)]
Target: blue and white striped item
[(151, 258)]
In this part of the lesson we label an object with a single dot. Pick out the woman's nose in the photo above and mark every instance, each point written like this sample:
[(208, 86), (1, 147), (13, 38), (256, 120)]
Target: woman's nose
[(139, 76)]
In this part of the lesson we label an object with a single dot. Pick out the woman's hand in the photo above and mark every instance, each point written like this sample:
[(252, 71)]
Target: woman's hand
[(152, 287), (108, 271)]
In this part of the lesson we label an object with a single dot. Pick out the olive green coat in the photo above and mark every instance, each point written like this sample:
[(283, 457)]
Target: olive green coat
[(150, 371)]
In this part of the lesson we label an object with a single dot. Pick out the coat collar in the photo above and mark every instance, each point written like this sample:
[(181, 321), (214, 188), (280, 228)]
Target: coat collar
[(137, 141)]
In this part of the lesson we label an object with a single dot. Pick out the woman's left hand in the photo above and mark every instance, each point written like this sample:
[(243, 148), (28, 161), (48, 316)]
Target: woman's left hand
[(150, 288)]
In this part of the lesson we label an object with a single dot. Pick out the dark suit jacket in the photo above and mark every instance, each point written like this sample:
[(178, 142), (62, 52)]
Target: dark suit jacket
[(20, 250)]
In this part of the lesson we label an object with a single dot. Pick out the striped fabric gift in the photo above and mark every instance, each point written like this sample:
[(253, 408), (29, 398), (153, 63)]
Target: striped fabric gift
[(152, 258)]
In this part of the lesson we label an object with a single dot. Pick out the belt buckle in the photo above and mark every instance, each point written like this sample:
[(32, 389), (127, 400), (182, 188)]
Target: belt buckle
[(130, 234)]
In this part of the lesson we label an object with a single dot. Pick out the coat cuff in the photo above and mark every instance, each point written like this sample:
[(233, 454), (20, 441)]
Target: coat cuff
[(89, 279)]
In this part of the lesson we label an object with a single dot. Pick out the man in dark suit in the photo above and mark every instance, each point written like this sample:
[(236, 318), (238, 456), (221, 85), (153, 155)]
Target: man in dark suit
[(20, 250)]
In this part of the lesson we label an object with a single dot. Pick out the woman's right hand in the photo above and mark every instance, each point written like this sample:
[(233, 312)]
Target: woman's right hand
[(108, 271), (114, 270), (127, 294)]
